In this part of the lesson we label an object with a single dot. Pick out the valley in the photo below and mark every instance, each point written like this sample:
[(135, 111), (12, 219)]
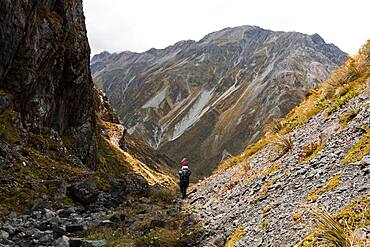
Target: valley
[(275, 126), (215, 95)]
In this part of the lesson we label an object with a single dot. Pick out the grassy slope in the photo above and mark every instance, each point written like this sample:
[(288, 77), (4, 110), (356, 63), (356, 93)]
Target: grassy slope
[(347, 82)]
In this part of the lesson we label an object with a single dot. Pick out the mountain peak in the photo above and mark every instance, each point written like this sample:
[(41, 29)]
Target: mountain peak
[(316, 38), (210, 90), (229, 34), (101, 56)]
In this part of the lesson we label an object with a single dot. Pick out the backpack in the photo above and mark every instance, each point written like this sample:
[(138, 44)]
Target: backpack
[(184, 174)]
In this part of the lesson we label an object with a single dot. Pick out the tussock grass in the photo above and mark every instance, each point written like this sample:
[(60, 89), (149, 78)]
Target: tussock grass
[(297, 217), (283, 143), (234, 238), (330, 231), (163, 195), (359, 150), (275, 126), (351, 114), (310, 150), (236, 160), (340, 229)]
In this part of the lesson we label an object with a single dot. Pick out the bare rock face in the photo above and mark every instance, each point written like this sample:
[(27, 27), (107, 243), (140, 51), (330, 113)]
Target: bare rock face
[(202, 99), (45, 65)]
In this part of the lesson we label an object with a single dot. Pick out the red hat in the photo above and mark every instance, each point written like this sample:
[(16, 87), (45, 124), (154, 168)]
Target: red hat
[(184, 162)]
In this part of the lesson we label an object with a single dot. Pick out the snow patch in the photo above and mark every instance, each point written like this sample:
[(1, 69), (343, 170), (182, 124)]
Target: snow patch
[(156, 100), (196, 112), (229, 91)]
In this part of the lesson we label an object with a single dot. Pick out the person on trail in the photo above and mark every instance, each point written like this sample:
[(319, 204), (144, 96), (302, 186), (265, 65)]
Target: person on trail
[(122, 141), (184, 175)]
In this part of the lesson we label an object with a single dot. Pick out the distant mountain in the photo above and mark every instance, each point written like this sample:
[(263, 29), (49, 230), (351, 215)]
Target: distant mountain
[(211, 98)]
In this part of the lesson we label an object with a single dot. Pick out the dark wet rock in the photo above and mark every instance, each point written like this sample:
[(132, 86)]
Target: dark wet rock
[(132, 184), (4, 103), (157, 223), (94, 243), (107, 223), (75, 228), (66, 212), (84, 192), (79, 242)]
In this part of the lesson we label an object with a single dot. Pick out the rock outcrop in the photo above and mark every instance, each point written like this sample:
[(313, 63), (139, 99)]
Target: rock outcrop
[(214, 96), (61, 170), (45, 66)]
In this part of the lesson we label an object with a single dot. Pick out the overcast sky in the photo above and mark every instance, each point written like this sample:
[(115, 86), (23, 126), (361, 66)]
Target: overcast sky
[(138, 25)]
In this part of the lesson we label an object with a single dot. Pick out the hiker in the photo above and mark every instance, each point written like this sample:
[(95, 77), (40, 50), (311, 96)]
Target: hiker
[(122, 141), (184, 174)]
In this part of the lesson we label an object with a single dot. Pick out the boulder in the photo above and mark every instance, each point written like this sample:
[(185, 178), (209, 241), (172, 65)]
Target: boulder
[(4, 234), (84, 192), (75, 228), (62, 242), (132, 184), (94, 243), (79, 242)]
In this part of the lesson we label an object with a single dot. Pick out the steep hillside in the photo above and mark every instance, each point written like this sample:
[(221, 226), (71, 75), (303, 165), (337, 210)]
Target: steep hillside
[(216, 95), (317, 158), (61, 170)]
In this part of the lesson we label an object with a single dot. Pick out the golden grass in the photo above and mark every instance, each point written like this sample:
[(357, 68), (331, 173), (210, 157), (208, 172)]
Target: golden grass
[(230, 163), (330, 185), (340, 228), (297, 217), (359, 150), (351, 114), (311, 150), (283, 143), (234, 238)]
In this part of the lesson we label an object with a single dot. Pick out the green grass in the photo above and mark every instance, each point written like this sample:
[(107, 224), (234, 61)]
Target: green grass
[(111, 161), (342, 100)]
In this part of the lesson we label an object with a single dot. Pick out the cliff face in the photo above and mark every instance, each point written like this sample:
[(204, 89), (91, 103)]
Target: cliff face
[(45, 66), (214, 96), (56, 128)]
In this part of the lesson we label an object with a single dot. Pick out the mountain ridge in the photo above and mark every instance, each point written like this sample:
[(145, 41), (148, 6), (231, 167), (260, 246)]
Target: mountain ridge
[(175, 89)]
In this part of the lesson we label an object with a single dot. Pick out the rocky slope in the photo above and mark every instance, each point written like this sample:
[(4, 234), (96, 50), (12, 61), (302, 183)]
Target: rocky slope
[(216, 95), (323, 160), (61, 171)]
